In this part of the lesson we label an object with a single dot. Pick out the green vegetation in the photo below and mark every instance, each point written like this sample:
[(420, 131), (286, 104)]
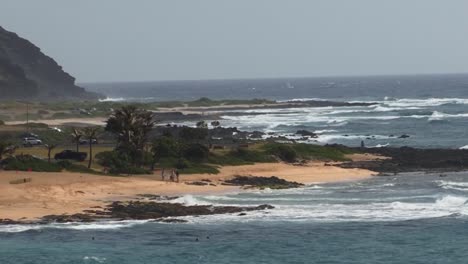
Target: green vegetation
[(306, 152), (241, 156), (187, 149), (28, 162), (73, 167)]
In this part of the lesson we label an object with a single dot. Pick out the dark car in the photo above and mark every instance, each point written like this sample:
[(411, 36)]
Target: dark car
[(71, 155), (86, 141)]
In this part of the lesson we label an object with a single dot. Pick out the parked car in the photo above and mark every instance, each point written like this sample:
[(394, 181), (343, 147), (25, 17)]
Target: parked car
[(71, 155), (56, 129), (30, 141), (86, 141), (29, 135)]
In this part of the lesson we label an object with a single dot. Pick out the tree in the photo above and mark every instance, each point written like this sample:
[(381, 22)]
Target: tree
[(131, 125), (6, 149), (50, 147), (190, 134), (90, 134), (76, 137)]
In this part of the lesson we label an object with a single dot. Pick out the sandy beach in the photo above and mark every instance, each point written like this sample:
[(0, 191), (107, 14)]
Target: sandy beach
[(69, 193)]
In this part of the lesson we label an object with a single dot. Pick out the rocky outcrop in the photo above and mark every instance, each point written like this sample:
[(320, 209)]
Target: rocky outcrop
[(406, 159), (153, 210), (148, 210), (308, 133), (27, 73), (263, 182)]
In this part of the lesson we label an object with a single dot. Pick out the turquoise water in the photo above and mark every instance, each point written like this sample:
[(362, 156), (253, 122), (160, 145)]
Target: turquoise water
[(398, 219)]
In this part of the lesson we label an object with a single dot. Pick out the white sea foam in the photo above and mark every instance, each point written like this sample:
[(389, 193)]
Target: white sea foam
[(429, 102), (325, 138), (112, 99), (380, 145), (460, 186), (94, 259), (189, 200), (438, 116), (102, 225), (328, 210)]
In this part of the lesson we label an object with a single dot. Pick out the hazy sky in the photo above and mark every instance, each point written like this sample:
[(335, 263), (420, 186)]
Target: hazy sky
[(123, 40)]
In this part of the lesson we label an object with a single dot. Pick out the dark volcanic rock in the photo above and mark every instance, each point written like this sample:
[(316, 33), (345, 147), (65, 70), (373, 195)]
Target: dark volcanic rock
[(263, 182), (26, 72), (406, 159), (307, 133), (153, 210), (137, 210), (69, 218), (8, 222)]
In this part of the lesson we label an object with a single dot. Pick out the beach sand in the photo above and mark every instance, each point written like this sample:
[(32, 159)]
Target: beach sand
[(69, 193)]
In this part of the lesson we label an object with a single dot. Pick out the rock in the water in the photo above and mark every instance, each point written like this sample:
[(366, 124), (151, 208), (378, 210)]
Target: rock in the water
[(153, 210), (263, 182), (307, 133)]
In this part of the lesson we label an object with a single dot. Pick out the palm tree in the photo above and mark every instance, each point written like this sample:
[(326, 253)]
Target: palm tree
[(132, 126), (76, 137), (50, 147), (90, 134), (6, 149)]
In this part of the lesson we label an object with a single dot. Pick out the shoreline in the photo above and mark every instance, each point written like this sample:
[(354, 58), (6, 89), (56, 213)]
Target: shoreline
[(73, 193)]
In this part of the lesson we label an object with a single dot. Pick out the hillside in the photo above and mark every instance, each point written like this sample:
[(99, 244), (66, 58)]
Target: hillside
[(27, 73)]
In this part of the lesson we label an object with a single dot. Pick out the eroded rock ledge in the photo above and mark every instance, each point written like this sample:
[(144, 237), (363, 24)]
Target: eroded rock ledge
[(272, 182), (142, 210)]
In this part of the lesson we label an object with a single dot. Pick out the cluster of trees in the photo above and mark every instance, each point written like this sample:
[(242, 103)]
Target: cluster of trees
[(89, 134), (135, 153)]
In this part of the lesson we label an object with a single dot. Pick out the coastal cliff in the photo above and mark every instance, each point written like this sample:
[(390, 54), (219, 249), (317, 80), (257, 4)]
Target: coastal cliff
[(27, 73)]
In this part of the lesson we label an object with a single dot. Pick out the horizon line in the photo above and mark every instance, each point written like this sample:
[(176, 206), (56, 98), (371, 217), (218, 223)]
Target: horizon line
[(277, 78)]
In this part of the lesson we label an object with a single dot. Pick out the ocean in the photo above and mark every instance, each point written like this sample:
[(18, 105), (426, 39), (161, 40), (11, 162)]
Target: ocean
[(394, 219), (404, 218), (431, 109)]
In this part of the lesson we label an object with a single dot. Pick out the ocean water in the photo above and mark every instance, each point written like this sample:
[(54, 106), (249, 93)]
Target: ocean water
[(431, 109), (393, 219), (399, 219)]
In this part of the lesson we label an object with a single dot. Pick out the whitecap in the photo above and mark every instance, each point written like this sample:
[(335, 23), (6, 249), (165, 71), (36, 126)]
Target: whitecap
[(95, 259), (100, 225)]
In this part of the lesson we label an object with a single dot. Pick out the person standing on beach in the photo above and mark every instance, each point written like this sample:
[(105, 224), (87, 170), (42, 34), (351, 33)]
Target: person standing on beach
[(177, 175), (162, 174), (172, 175)]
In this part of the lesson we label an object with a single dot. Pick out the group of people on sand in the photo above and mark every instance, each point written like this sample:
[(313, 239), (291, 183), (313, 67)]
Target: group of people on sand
[(173, 176)]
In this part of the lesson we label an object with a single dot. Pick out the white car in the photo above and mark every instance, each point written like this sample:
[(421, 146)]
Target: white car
[(31, 141)]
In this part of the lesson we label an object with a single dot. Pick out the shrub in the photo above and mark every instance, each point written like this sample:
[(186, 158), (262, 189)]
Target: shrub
[(196, 152), (182, 164), (284, 152), (71, 167), (241, 156), (118, 162), (28, 162), (2, 122), (165, 147)]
